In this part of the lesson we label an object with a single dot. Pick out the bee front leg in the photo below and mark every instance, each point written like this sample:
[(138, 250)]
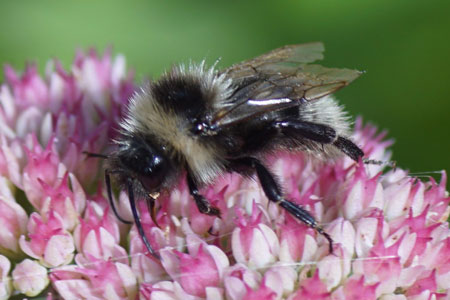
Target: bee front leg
[(203, 205), (110, 198), (273, 192), (137, 220)]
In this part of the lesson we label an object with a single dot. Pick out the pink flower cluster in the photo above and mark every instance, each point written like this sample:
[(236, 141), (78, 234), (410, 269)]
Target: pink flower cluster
[(58, 236)]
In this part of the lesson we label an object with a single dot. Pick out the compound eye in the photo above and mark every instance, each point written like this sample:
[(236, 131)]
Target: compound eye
[(146, 163), (153, 172)]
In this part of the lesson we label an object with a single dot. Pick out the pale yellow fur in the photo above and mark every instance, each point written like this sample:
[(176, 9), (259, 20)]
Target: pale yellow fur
[(145, 115)]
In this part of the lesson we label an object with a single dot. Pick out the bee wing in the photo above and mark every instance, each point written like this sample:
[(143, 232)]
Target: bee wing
[(297, 54), (277, 80)]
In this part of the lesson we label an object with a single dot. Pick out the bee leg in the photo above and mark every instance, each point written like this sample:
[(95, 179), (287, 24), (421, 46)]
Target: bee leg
[(137, 220), (273, 192), (312, 131), (108, 187), (319, 133), (202, 203), (110, 198), (349, 148)]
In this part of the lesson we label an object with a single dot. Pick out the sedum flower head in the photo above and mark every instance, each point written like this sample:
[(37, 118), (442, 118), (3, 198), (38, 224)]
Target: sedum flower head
[(59, 237)]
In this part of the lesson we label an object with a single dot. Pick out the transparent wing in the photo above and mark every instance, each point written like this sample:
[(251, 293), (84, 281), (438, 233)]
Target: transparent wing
[(279, 79), (277, 60)]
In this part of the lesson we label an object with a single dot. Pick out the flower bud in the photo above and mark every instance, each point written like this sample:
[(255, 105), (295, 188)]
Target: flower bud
[(253, 242), (48, 241), (13, 220), (95, 279), (5, 281), (30, 278)]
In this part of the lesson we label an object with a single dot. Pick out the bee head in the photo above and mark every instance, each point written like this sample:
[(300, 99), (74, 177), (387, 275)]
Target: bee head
[(143, 161)]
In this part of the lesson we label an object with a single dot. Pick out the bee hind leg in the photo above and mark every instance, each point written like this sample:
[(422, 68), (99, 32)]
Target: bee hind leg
[(349, 148), (319, 133), (273, 192), (312, 131)]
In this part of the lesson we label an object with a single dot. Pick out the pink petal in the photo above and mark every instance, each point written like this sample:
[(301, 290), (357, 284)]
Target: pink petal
[(311, 288)]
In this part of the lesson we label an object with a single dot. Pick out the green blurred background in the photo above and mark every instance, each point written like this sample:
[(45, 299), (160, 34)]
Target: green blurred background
[(403, 46)]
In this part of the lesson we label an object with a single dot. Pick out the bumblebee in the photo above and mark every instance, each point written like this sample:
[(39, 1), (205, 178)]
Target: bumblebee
[(201, 123)]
